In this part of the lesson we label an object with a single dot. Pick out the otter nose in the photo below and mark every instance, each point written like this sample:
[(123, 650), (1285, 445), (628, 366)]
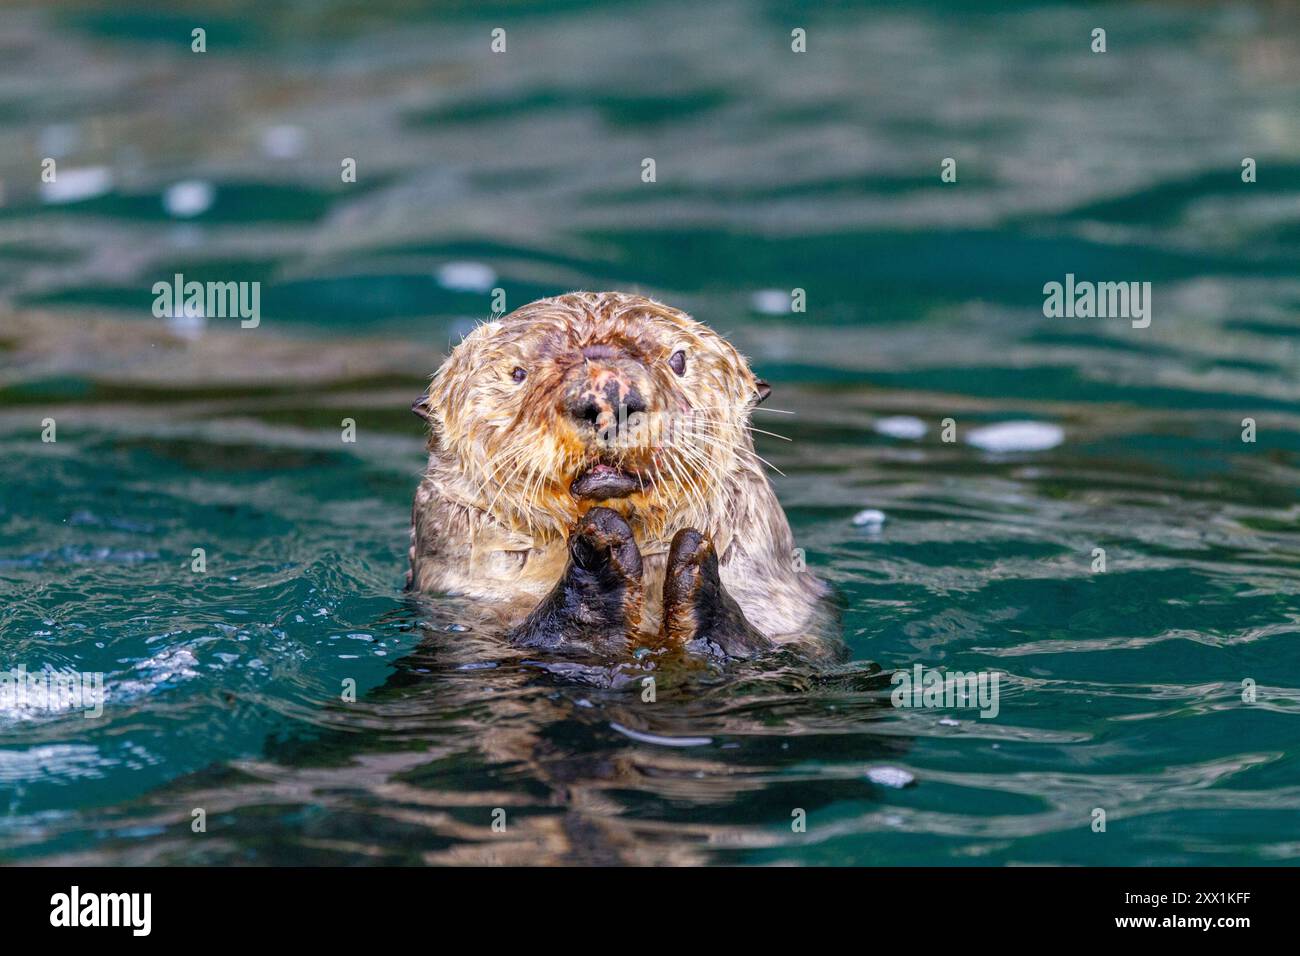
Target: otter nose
[(604, 398)]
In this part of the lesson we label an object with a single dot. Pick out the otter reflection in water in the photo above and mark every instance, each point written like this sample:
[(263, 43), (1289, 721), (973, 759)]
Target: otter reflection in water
[(576, 527), (475, 752)]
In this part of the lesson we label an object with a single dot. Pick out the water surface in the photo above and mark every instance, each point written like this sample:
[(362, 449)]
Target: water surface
[(1120, 690)]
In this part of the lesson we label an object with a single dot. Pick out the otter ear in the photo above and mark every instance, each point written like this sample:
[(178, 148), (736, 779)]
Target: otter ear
[(420, 407), (763, 390)]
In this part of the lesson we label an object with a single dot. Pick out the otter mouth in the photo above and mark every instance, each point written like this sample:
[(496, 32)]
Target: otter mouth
[(606, 481)]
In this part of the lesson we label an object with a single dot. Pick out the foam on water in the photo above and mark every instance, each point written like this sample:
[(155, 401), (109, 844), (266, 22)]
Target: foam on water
[(1008, 437)]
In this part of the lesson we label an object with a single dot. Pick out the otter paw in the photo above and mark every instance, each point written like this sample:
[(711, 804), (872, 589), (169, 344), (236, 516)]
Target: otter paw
[(699, 614), (596, 606)]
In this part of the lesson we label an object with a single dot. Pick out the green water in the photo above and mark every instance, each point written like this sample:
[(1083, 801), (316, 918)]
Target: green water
[(1120, 689)]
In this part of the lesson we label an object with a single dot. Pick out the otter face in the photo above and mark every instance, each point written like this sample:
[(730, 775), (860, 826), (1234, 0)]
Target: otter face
[(590, 398)]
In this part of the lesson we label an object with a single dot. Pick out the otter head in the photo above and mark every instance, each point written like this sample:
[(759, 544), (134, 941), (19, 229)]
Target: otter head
[(592, 398)]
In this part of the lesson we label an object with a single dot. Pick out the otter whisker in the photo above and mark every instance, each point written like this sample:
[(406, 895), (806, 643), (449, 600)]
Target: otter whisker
[(535, 481), (714, 475), (773, 434), (520, 458), (700, 497), (766, 462), (749, 451), (747, 425), (515, 457), (677, 480), (693, 456), (755, 408), (685, 482)]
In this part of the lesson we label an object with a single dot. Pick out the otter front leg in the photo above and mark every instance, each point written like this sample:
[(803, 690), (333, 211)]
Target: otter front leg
[(699, 614), (597, 603)]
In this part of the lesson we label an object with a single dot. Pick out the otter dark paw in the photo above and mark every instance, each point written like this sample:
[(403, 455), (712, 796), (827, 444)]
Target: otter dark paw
[(699, 614), (597, 603)]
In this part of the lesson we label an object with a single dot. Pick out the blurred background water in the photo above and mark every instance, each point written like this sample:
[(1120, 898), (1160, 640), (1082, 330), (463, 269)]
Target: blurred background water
[(775, 170)]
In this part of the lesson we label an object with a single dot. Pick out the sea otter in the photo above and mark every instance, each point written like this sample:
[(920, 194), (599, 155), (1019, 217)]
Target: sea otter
[(592, 484)]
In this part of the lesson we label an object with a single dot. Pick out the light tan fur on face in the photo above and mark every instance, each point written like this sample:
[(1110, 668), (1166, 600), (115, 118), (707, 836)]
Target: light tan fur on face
[(493, 509)]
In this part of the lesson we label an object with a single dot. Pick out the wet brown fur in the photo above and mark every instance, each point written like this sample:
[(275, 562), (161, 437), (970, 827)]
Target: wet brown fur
[(494, 507)]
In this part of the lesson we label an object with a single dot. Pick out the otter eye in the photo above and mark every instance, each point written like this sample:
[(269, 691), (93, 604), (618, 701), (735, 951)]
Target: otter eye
[(519, 374), (678, 362)]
